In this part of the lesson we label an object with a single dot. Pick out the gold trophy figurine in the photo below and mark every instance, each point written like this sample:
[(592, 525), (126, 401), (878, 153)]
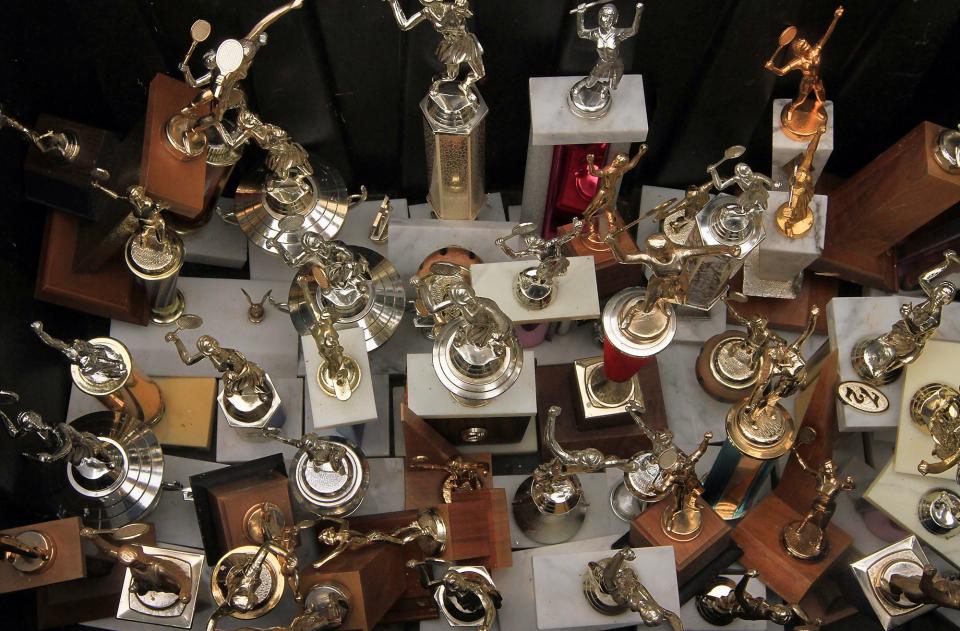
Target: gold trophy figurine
[(725, 601), (379, 229), (612, 587), (799, 119), (461, 475), (64, 145), (536, 287), (683, 520), (338, 374), (935, 408), (795, 217), (605, 201), (929, 588), (807, 539), (429, 525)]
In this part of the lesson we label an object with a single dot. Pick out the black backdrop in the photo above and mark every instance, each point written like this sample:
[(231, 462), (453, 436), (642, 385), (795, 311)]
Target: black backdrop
[(342, 78)]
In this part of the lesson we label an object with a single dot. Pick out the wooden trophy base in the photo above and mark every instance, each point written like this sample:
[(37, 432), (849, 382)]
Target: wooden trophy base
[(622, 441), (373, 577), (900, 191), (188, 186), (791, 314), (189, 412), (479, 529), (759, 536), (611, 277), (691, 556), (67, 564), (111, 292)]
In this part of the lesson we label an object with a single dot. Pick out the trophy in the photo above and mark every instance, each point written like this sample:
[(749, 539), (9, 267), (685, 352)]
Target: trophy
[(795, 217), (536, 287), (247, 396), (724, 601), (879, 360), (330, 474), (465, 594), (591, 96), (102, 367), (947, 150), (428, 530), (612, 587), (935, 408), (681, 520), (379, 229), (357, 284), (939, 511), (255, 312), (603, 206), (434, 306), (477, 357), (114, 465), (677, 218), (802, 117), (60, 146), (326, 606), (454, 112), (461, 474), (246, 583), (153, 254)]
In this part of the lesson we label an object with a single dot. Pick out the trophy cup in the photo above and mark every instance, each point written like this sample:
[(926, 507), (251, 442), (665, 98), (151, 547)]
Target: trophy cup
[(247, 397), (724, 601), (102, 367), (935, 408), (114, 465), (477, 357), (357, 284), (454, 113), (536, 287), (330, 473), (802, 117), (428, 530), (153, 254), (879, 360), (465, 594), (612, 587)]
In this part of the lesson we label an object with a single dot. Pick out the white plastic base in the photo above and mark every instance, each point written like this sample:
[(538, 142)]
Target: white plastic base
[(217, 243), (272, 343), (785, 149), (576, 297), (328, 411), (558, 588), (492, 210), (233, 447)]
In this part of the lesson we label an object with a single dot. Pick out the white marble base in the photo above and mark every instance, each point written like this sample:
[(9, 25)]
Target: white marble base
[(373, 438), (174, 518), (566, 347), (385, 493), (697, 326), (693, 622), (552, 122), (217, 243), (598, 522), (937, 364), (576, 297), (897, 495), (272, 343), (428, 398), (558, 588), (328, 411), (233, 447), (785, 149), (492, 210), (651, 196)]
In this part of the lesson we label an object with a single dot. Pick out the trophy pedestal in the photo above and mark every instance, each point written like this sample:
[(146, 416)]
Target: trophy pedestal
[(328, 411), (558, 387), (504, 419), (479, 528), (900, 191), (554, 167), (53, 181), (223, 497), (878, 566), (573, 297), (371, 575), (692, 556), (67, 562), (240, 445), (728, 388), (775, 269), (787, 150), (110, 292), (734, 481), (187, 184), (492, 210), (611, 276), (759, 536), (559, 591)]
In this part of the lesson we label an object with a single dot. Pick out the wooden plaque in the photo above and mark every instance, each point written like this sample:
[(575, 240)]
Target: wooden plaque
[(500, 429), (67, 564), (495, 501)]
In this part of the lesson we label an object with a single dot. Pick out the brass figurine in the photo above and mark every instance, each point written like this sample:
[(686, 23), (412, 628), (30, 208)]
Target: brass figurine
[(603, 206), (64, 145), (683, 519), (592, 96), (927, 589), (536, 287), (754, 187), (429, 526), (807, 539), (935, 408), (338, 374), (904, 559), (434, 302), (318, 449), (28, 552), (725, 601), (462, 475), (256, 312), (465, 595), (800, 119), (678, 217), (97, 363), (612, 587), (379, 229), (795, 217), (879, 360)]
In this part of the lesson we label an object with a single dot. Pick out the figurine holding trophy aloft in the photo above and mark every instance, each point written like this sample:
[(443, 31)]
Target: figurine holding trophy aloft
[(454, 112)]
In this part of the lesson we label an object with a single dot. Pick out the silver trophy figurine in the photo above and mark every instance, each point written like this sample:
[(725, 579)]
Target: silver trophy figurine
[(536, 287), (613, 587)]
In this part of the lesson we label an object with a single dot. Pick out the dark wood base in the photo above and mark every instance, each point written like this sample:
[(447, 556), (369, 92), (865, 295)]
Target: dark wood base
[(791, 314), (648, 377), (67, 564)]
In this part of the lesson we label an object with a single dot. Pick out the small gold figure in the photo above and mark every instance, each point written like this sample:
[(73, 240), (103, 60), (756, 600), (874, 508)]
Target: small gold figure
[(381, 222), (800, 122), (736, 360), (461, 474), (153, 233), (256, 312), (464, 594), (807, 539), (935, 408), (879, 360), (677, 217), (240, 376), (434, 299), (605, 200), (338, 374), (535, 287), (683, 519), (428, 525), (927, 589), (65, 145), (613, 588), (725, 601), (320, 450), (795, 217)]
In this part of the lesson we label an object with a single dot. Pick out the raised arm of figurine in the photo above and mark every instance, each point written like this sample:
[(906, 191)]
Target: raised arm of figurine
[(836, 18), (582, 31), (808, 331), (592, 169), (578, 460), (627, 33), (517, 231), (926, 279), (701, 448), (744, 599), (710, 250), (185, 355), (635, 160), (403, 21)]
